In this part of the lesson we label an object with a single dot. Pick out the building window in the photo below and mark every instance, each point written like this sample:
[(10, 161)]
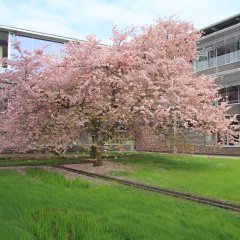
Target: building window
[(221, 55), (211, 56), (26, 43), (202, 61), (3, 46), (224, 54), (223, 94), (230, 94), (57, 47), (39, 43), (30, 44), (230, 50)]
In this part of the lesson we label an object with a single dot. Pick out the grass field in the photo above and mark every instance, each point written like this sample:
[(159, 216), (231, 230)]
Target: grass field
[(215, 177), (44, 205)]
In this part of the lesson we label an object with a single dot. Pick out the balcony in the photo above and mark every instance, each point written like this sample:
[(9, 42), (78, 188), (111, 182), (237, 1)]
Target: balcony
[(217, 61)]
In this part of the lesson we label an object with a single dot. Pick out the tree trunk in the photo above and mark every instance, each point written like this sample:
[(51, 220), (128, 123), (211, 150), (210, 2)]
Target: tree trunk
[(175, 134), (93, 149), (95, 152), (98, 161)]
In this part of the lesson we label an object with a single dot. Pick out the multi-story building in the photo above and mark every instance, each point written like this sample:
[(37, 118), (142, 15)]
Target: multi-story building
[(219, 56)]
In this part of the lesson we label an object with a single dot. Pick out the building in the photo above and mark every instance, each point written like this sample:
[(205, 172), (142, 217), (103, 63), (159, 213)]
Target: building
[(30, 40), (219, 56)]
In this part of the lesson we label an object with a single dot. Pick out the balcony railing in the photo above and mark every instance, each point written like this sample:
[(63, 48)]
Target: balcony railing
[(217, 61)]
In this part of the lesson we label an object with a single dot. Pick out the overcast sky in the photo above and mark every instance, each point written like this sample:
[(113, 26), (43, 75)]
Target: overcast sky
[(78, 18)]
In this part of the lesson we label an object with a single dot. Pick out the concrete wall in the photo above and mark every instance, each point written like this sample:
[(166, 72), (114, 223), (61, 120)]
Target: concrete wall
[(148, 141)]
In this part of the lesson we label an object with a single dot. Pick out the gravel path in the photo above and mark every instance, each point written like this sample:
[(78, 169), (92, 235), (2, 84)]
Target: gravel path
[(104, 169)]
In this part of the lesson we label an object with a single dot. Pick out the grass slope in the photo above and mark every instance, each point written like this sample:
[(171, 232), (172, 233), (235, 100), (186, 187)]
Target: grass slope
[(43, 205), (215, 177)]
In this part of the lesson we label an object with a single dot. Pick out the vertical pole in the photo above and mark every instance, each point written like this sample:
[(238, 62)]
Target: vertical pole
[(238, 133), (238, 94), (9, 44), (174, 133)]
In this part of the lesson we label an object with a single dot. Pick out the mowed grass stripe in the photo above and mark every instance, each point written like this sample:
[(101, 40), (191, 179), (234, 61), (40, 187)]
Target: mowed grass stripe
[(213, 177), (169, 192)]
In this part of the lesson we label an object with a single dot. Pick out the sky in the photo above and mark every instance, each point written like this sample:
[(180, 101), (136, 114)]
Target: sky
[(78, 18)]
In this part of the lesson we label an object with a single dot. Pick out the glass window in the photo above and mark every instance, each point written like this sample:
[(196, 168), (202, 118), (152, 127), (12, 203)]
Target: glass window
[(202, 57), (39, 43), (202, 60), (211, 56), (31, 44), (26, 43), (3, 46), (221, 55), (3, 36), (238, 45), (230, 49), (232, 94), (237, 53), (57, 47), (223, 94), (221, 51)]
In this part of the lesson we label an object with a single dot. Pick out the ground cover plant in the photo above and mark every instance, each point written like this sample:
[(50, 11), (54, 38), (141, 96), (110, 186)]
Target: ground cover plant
[(8, 160), (33, 208), (215, 177), (41, 159)]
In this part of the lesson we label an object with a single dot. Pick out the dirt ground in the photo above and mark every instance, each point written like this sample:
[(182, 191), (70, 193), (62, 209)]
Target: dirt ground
[(104, 169)]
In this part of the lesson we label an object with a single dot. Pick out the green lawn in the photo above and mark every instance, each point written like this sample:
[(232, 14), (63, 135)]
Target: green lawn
[(43, 205), (215, 177)]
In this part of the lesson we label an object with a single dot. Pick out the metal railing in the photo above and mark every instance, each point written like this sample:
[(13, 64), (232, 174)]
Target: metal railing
[(217, 61)]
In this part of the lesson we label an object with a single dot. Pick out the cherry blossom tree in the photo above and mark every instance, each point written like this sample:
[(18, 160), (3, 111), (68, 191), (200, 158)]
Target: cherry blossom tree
[(27, 120), (143, 79), (173, 96), (53, 101), (93, 90)]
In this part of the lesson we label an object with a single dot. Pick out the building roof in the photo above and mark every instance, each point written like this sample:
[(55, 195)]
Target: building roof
[(35, 34), (217, 26), (225, 23)]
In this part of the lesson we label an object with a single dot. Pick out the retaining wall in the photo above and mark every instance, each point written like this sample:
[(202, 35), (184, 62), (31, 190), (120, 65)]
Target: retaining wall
[(147, 141)]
